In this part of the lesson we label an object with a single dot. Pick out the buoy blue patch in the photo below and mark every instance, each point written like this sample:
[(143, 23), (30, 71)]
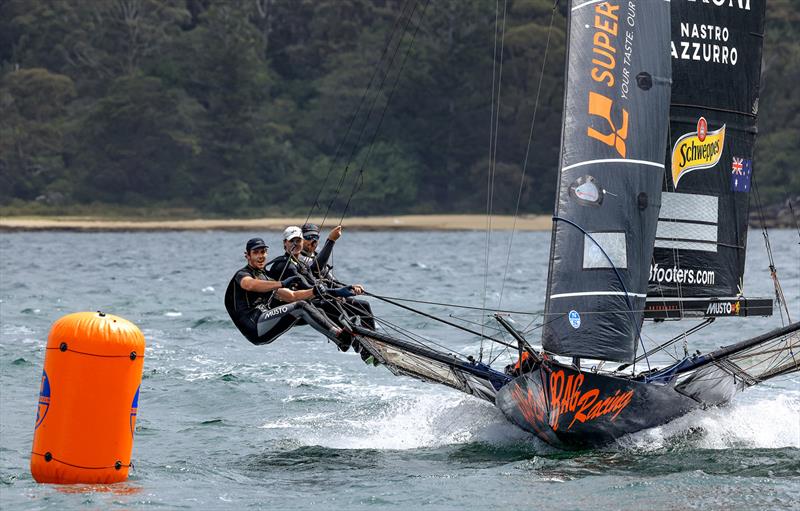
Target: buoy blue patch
[(574, 319), (44, 400), (134, 409)]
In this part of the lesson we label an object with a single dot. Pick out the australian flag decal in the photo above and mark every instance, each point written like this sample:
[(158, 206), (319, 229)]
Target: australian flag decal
[(741, 170)]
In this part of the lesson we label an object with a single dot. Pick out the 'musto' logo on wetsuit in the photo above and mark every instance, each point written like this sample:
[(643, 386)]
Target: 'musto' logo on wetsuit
[(277, 310)]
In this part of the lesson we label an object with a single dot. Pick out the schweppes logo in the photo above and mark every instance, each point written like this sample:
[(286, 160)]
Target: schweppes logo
[(697, 150)]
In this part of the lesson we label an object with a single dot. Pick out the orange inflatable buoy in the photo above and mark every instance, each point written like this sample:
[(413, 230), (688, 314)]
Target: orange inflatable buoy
[(88, 400)]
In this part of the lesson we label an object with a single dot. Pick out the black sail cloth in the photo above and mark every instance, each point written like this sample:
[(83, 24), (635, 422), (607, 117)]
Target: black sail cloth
[(702, 229), (611, 169)]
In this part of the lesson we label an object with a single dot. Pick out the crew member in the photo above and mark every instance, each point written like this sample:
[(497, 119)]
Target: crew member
[(249, 293), (288, 264), (318, 264)]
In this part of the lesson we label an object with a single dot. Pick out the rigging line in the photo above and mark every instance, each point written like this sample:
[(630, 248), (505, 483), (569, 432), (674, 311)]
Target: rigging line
[(417, 339), (360, 178), (379, 65), (527, 153), (727, 351), (746, 354), (524, 331), (494, 124), (773, 270), (794, 217), (355, 146), (676, 258), (456, 306), (675, 339), (475, 323), (783, 350), (491, 138), (501, 352), (545, 323), (456, 325)]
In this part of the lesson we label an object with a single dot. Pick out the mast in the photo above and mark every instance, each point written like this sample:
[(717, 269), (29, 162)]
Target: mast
[(614, 134), (702, 229)]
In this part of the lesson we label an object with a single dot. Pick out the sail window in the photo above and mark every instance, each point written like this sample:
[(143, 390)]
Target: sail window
[(612, 243), (688, 222), (586, 191)]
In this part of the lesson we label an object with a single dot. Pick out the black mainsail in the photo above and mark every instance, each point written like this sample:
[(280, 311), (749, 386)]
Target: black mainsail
[(614, 136), (702, 229)]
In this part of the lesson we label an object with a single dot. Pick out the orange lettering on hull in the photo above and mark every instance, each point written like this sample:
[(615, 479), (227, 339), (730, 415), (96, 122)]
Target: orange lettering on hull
[(567, 396)]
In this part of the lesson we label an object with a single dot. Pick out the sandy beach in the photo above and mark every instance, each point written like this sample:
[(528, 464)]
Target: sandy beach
[(402, 222)]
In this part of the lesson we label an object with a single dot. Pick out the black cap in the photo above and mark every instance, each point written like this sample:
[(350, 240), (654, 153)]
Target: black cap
[(254, 243), (310, 229)]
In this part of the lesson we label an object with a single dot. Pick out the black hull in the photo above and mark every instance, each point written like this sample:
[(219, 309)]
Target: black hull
[(572, 409)]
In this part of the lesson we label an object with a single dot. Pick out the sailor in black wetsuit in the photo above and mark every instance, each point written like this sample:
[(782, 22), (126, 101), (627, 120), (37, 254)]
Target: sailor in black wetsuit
[(318, 264), (250, 291), (288, 264)]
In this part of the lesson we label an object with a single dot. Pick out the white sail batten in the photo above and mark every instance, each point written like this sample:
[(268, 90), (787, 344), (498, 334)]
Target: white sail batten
[(656, 164), (598, 293)]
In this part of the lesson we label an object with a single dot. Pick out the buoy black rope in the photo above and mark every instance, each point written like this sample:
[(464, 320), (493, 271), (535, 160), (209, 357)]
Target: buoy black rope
[(63, 347), (48, 457)]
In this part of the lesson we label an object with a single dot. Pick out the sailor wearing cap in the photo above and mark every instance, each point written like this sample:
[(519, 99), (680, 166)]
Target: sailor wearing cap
[(288, 264), (318, 264), (248, 296)]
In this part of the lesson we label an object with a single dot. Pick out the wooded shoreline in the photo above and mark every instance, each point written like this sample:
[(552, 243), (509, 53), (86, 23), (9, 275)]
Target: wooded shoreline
[(779, 216), (373, 223)]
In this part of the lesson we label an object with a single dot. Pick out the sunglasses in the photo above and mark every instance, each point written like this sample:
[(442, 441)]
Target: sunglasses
[(311, 237)]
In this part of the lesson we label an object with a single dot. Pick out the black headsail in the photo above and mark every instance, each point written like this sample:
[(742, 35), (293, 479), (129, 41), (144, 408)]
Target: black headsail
[(702, 229), (614, 136)]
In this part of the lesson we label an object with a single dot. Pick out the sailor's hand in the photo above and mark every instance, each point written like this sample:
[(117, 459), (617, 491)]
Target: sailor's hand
[(342, 292), (320, 290), (290, 281), (336, 232), (358, 289)]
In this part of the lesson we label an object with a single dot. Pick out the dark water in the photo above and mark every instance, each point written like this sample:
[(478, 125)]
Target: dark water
[(295, 425)]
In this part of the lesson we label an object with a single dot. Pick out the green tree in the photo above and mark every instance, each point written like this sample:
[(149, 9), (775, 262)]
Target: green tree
[(138, 144), (777, 150), (220, 64), (32, 130)]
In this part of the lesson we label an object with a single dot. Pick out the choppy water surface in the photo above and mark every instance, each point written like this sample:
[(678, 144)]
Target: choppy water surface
[(296, 425)]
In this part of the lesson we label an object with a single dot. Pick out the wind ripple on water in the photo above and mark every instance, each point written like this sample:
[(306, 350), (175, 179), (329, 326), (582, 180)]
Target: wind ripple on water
[(223, 424)]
